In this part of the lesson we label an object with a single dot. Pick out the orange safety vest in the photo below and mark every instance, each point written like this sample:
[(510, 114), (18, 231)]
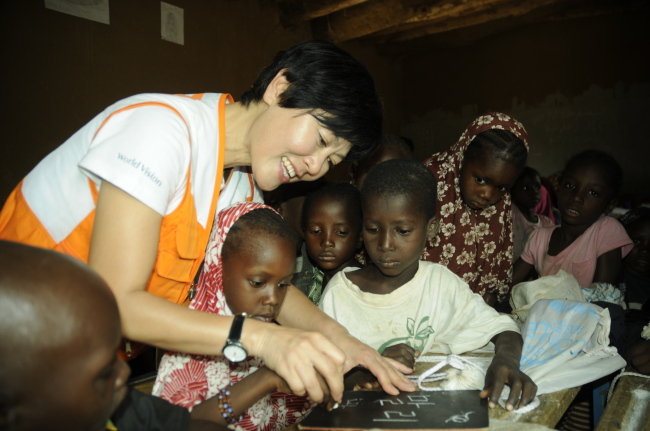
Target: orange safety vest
[(182, 242)]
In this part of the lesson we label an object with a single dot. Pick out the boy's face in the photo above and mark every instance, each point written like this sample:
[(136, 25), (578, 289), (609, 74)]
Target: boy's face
[(331, 233), (484, 182), (527, 191), (255, 280), (78, 384), (638, 259), (394, 233)]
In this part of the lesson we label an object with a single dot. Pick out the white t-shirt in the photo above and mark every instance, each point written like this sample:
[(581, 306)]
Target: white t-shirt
[(145, 151), (434, 312)]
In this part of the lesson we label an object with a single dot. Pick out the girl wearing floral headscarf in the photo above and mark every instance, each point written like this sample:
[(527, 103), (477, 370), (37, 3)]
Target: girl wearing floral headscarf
[(474, 207), (248, 268)]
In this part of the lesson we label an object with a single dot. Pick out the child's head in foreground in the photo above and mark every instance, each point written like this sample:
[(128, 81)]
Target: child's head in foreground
[(392, 147), (637, 225), (331, 222), (259, 257), (589, 188), (527, 190), (491, 164), (60, 331), (336, 88), (398, 199)]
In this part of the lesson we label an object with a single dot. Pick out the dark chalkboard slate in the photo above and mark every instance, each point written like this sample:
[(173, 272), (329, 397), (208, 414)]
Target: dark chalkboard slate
[(435, 410)]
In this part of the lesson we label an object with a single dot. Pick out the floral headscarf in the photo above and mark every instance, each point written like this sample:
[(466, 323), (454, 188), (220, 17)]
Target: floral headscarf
[(475, 245), (187, 380)]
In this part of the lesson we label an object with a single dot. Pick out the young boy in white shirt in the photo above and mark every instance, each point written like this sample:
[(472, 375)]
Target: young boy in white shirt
[(403, 306)]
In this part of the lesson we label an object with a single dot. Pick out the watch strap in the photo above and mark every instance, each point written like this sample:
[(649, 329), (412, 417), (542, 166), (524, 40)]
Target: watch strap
[(236, 328)]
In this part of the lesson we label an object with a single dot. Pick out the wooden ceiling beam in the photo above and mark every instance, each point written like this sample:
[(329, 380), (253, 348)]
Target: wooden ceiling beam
[(294, 12), (599, 8), (513, 9), (368, 18), (468, 34)]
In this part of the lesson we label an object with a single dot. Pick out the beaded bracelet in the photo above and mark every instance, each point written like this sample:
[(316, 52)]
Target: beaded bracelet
[(225, 407)]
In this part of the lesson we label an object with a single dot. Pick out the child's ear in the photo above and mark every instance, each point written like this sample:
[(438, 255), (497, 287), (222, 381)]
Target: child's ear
[(611, 206), (433, 227), (275, 88), (360, 241)]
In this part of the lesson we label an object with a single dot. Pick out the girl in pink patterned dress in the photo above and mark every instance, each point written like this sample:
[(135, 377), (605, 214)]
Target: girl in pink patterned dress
[(248, 268), (474, 207)]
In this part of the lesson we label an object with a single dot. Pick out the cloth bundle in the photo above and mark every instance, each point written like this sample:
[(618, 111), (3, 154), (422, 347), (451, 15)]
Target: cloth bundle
[(566, 344), (559, 286)]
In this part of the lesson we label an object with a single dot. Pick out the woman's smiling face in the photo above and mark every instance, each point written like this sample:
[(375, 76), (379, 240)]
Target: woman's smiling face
[(288, 145)]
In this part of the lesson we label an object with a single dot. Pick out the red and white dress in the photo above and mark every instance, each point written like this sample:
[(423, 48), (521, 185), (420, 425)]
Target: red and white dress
[(187, 380)]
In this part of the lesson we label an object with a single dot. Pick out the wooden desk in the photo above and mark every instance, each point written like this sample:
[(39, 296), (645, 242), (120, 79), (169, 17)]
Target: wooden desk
[(629, 407), (551, 409)]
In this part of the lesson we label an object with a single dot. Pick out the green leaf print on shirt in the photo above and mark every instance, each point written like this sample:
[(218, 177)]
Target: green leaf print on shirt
[(417, 337)]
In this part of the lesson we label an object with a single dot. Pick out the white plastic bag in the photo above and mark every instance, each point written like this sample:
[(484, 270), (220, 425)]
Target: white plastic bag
[(566, 344), (559, 286)]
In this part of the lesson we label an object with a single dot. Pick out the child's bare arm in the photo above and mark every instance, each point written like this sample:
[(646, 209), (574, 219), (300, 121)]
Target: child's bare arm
[(520, 271), (245, 393), (608, 266), (504, 369)]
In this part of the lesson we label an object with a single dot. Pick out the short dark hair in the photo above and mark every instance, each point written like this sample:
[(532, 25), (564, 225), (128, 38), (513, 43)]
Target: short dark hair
[(529, 171), (498, 143), (399, 144), (402, 177), (339, 191), (254, 224), (606, 162), (336, 87)]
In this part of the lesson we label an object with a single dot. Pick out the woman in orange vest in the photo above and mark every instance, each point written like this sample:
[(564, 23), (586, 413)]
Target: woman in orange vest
[(135, 191)]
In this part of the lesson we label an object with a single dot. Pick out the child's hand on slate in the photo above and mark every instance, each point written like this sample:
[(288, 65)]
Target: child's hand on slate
[(359, 379), (503, 370), (402, 353)]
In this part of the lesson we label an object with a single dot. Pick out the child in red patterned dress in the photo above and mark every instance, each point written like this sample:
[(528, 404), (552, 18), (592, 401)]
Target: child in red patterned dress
[(249, 264)]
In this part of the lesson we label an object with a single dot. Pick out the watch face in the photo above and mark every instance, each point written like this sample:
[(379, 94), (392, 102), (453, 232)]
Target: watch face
[(235, 353)]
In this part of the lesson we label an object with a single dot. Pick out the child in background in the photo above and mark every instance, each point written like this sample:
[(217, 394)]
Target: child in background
[(589, 244), (288, 201), (635, 276), (391, 147), (59, 368), (249, 264), (331, 223), (526, 194), (402, 306), (635, 283), (546, 205), (474, 209)]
